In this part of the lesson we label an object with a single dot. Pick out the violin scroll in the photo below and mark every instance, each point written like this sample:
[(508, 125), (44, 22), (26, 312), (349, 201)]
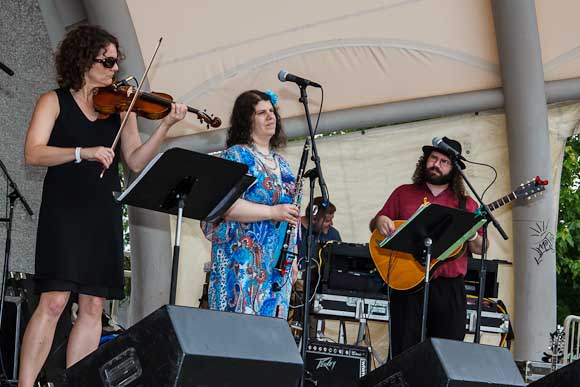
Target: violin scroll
[(209, 119)]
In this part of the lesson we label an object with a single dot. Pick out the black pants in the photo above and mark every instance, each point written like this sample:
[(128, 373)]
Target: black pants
[(445, 318)]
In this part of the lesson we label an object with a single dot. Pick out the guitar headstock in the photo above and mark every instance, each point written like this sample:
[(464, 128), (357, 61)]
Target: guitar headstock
[(531, 188), (557, 341)]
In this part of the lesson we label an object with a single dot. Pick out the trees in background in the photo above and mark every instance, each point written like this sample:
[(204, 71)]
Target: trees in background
[(568, 232)]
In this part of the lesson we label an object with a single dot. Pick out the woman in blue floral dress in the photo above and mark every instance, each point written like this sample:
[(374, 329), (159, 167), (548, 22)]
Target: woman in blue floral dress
[(245, 242)]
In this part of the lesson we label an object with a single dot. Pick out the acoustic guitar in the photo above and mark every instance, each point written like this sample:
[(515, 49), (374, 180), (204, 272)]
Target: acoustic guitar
[(406, 272)]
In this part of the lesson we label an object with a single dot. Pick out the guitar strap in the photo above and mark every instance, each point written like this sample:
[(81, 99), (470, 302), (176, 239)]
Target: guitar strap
[(462, 202), (462, 206)]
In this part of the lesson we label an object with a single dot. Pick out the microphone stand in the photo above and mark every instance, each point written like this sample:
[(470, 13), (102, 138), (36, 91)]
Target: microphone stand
[(485, 212), (12, 197), (312, 174), (6, 69)]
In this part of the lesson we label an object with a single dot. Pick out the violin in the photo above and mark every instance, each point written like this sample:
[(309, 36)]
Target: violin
[(153, 106)]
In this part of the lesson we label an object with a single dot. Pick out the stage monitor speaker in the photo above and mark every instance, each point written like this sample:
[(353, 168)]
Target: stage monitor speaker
[(11, 331), (447, 363), (567, 376), (17, 311), (180, 346)]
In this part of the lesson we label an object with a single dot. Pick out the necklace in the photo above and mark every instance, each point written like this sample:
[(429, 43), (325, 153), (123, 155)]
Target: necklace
[(265, 159), (269, 157), (272, 168)]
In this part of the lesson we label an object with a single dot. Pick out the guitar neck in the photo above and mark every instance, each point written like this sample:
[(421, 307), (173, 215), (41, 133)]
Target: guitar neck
[(502, 201)]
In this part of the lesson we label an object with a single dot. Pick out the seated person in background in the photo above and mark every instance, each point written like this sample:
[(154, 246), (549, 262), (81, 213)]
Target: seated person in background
[(322, 221)]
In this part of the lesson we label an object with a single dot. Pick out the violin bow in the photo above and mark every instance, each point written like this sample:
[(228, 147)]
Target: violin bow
[(133, 100)]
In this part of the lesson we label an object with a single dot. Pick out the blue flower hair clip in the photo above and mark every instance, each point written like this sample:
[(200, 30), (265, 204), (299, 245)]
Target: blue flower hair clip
[(273, 97)]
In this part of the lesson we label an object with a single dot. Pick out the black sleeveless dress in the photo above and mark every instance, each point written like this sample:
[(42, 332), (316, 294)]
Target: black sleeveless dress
[(79, 245)]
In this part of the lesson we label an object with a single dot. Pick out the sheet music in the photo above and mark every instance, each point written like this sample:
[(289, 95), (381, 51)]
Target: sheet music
[(445, 254), (421, 208)]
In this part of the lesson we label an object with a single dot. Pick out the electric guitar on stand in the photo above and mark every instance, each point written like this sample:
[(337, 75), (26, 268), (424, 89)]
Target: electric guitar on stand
[(402, 271), (557, 342)]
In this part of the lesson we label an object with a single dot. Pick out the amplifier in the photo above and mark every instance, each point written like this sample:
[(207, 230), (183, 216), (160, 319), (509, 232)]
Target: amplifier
[(472, 277), (348, 269), (335, 365), (351, 307)]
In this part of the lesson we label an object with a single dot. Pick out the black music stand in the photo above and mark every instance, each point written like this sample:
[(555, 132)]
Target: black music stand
[(186, 183), (433, 230)]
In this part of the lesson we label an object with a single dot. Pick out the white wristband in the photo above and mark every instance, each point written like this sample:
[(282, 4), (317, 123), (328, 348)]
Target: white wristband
[(78, 155), (474, 237)]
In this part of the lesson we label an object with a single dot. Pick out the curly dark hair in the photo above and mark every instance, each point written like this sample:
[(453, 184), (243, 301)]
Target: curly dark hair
[(241, 121), (419, 176), (76, 53)]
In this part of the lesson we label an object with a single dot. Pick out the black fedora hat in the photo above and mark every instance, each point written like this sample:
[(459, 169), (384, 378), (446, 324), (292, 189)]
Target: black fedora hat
[(427, 149)]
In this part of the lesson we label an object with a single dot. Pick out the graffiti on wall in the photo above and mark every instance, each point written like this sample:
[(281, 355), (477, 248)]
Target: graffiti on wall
[(543, 241)]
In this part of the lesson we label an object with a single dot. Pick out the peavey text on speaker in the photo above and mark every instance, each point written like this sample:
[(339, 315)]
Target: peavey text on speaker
[(336, 365)]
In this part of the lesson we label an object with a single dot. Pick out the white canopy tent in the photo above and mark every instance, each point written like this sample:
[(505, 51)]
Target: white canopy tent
[(364, 53)]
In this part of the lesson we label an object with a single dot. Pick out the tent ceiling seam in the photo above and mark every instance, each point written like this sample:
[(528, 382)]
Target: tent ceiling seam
[(261, 61), (561, 59), (285, 32)]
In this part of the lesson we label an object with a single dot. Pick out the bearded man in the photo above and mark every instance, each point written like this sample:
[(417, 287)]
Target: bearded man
[(437, 181)]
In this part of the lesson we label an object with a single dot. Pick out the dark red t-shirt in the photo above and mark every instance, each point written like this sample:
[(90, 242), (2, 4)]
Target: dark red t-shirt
[(407, 198)]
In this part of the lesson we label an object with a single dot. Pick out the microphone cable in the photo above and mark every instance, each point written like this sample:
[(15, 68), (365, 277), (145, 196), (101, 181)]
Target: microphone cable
[(492, 181), (319, 110), (315, 130)]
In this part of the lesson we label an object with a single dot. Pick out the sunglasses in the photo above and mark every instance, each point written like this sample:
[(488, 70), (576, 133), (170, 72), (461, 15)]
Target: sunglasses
[(107, 62)]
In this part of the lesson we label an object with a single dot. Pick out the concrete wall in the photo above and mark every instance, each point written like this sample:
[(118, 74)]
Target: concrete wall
[(27, 50)]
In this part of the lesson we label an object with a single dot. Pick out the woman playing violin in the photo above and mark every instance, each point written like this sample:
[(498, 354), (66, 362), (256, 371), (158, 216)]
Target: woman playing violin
[(79, 247)]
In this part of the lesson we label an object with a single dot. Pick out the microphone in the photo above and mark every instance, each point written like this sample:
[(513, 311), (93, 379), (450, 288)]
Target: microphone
[(285, 76), (440, 144), (6, 69), (123, 82)]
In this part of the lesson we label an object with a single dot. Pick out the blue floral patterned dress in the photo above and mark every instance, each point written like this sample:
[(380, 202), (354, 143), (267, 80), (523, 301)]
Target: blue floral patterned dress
[(244, 254)]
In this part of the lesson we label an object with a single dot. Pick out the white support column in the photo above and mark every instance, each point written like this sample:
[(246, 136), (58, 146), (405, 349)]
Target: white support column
[(534, 223)]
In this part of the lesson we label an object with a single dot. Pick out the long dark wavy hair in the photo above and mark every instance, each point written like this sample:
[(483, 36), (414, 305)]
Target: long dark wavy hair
[(75, 54), (241, 121), (419, 177)]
